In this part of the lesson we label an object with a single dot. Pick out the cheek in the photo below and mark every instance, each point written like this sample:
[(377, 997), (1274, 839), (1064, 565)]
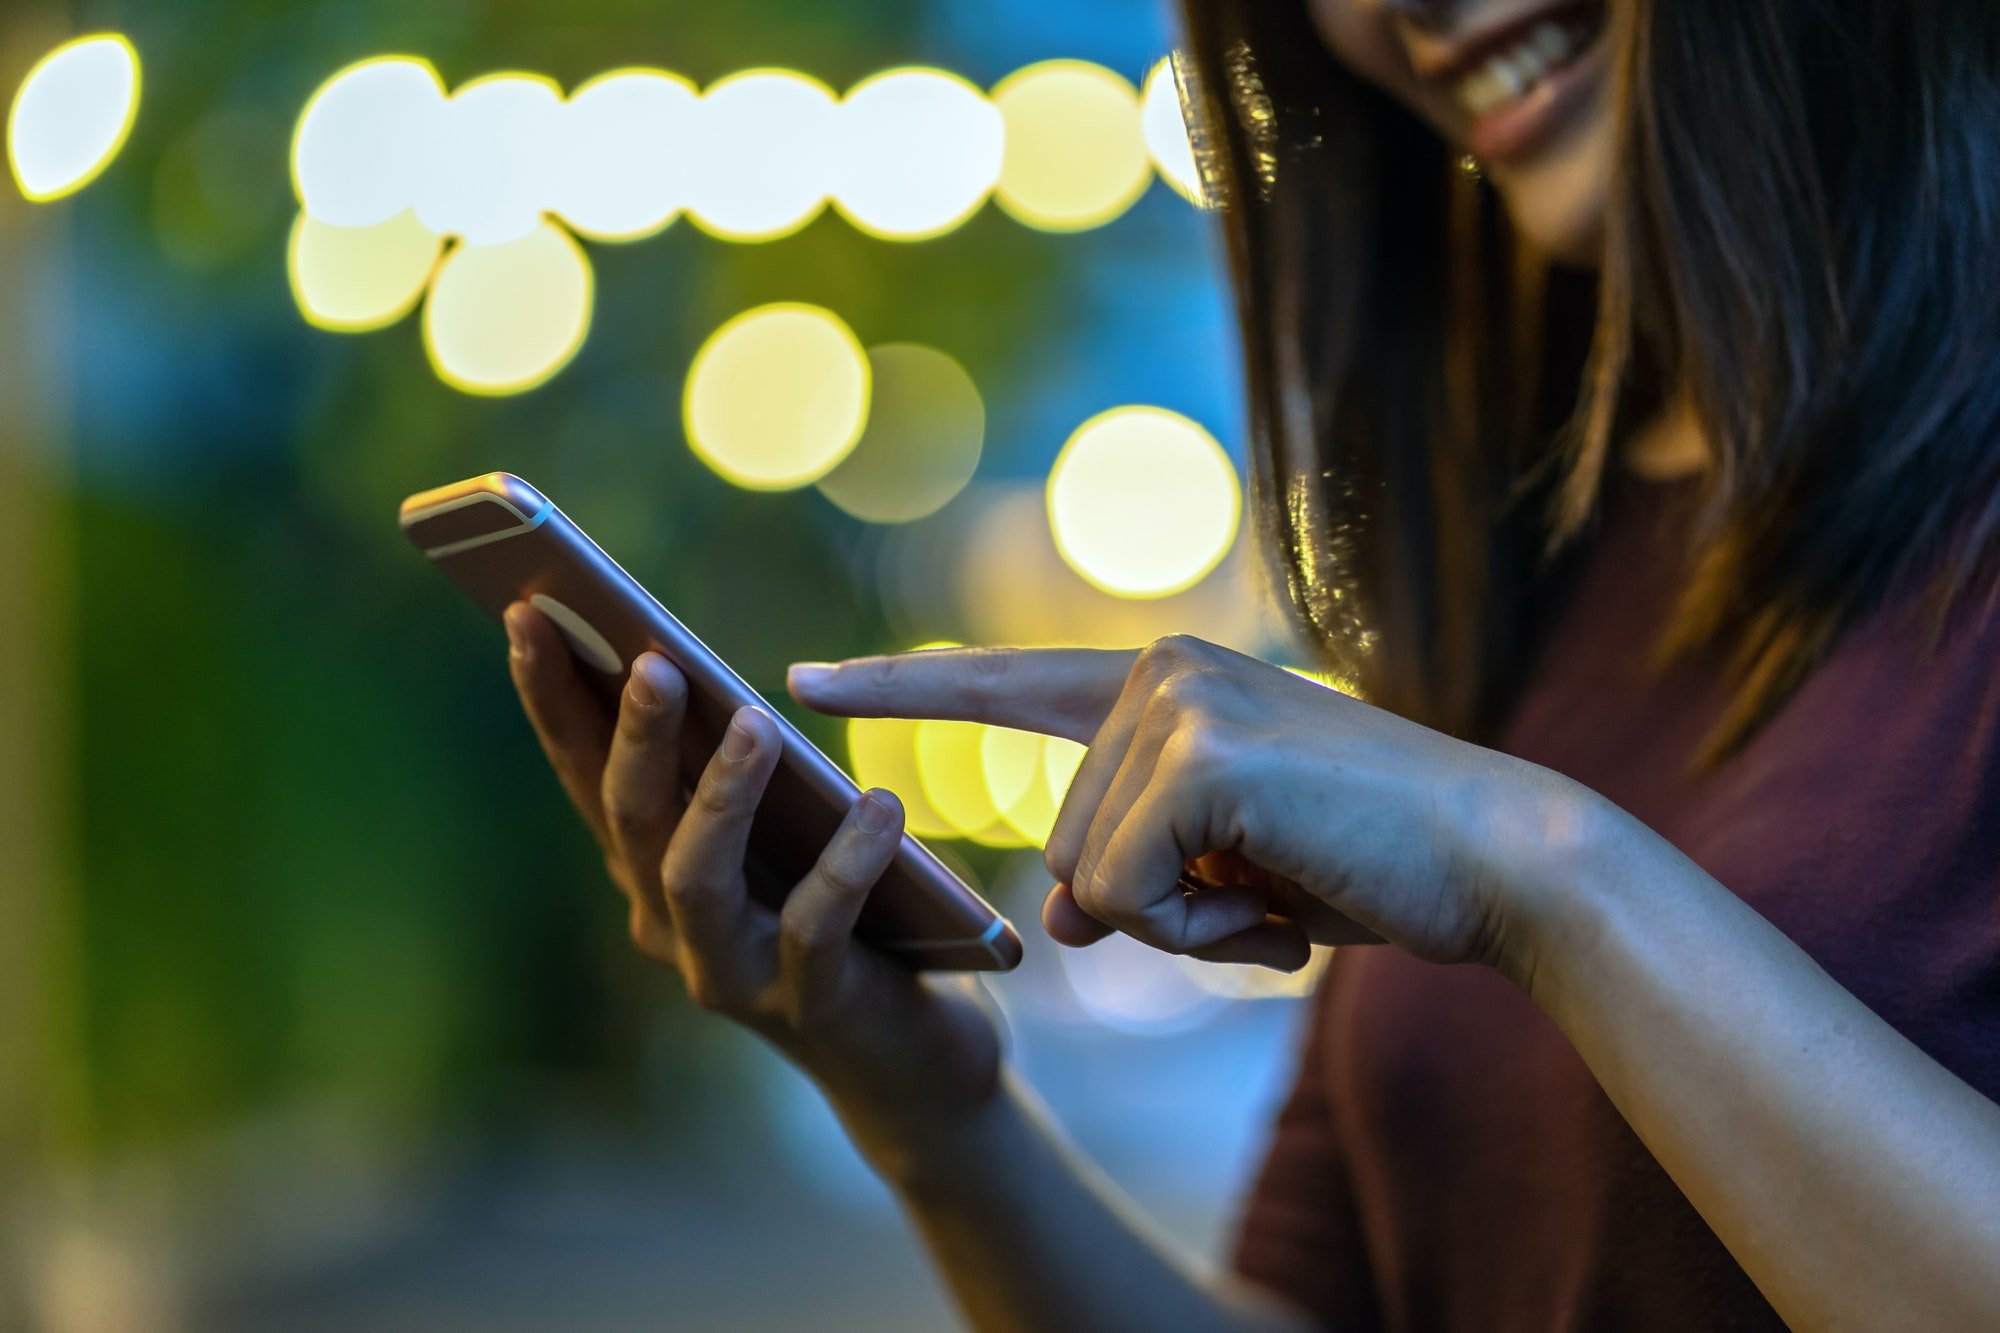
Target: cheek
[(1361, 36)]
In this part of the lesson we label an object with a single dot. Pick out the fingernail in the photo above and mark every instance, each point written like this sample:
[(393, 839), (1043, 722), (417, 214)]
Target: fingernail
[(645, 683), (877, 813), (737, 742), (805, 675), (517, 638)]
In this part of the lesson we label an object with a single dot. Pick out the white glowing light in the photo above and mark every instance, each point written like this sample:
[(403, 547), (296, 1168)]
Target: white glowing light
[(1075, 155), (627, 140), (72, 114), (504, 318), (493, 159), (1164, 125), (353, 279), (918, 151), (777, 396), (761, 162), (363, 145), (926, 426), (1143, 502)]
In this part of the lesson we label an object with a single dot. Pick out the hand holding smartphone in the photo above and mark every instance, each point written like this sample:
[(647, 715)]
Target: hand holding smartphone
[(501, 541)]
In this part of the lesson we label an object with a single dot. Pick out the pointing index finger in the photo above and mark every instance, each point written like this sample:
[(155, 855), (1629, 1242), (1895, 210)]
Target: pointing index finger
[(1063, 692)]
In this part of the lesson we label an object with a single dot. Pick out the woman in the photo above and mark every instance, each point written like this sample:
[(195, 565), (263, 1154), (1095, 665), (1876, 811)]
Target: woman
[(1685, 736)]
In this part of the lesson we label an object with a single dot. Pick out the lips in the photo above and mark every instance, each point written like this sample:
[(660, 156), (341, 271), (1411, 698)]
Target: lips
[(1517, 84)]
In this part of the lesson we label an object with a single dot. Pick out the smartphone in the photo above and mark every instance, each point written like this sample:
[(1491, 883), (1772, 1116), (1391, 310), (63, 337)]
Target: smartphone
[(502, 541)]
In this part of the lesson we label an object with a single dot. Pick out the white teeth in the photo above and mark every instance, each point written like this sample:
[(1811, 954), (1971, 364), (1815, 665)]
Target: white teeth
[(1511, 74)]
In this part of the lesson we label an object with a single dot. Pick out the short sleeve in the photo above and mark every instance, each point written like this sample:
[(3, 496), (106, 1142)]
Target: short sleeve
[(1299, 1234)]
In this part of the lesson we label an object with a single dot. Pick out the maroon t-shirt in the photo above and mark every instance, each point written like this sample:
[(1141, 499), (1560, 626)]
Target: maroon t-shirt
[(1446, 1161)]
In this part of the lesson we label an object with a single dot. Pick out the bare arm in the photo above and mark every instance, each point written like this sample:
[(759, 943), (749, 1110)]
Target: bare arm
[(1032, 1238), (1855, 1179)]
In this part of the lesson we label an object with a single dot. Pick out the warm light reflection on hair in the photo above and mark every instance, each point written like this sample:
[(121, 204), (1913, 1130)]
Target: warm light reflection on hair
[(72, 114), (918, 152), (1143, 502), (777, 396), (504, 318), (353, 279), (1075, 156), (926, 426)]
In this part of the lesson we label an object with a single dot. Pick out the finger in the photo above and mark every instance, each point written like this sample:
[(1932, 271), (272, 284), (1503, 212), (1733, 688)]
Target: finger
[(641, 789), (701, 875), (816, 923), (1083, 833), (571, 724), (1136, 886), (1055, 691), (1274, 943), (1109, 753), (1069, 925)]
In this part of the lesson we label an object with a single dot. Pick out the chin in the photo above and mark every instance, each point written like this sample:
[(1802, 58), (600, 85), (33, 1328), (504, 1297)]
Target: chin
[(1559, 198)]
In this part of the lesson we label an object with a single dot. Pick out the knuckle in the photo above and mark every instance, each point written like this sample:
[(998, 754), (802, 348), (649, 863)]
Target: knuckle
[(628, 816), (715, 794), (805, 938)]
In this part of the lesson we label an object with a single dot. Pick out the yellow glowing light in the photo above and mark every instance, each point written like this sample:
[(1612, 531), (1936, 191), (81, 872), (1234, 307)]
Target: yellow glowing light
[(953, 771), (1143, 502), (504, 318), (362, 148), (1060, 760), (882, 752), (1164, 125), (353, 279), (493, 159), (622, 173), (1075, 156), (761, 163), (72, 114), (926, 425), (918, 151), (777, 396)]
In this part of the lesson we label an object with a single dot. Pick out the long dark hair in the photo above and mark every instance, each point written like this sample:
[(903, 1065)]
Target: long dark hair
[(1804, 237)]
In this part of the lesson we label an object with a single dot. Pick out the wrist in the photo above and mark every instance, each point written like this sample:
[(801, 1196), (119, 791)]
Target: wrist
[(939, 1152), (1553, 865)]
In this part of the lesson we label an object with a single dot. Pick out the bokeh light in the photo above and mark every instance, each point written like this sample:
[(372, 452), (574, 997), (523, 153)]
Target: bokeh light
[(72, 114), (926, 426), (364, 140), (1134, 988), (919, 150), (353, 279), (492, 159), (1164, 125), (777, 396), (1143, 502), (761, 163), (951, 765), (622, 173), (502, 319), (1075, 156), (882, 752)]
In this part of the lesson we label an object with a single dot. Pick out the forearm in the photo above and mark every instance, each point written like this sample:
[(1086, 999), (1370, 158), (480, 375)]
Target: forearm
[(1031, 1238), (1855, 1179)]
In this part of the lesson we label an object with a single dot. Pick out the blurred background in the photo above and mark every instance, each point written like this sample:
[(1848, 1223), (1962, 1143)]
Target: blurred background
[(896, 320)]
